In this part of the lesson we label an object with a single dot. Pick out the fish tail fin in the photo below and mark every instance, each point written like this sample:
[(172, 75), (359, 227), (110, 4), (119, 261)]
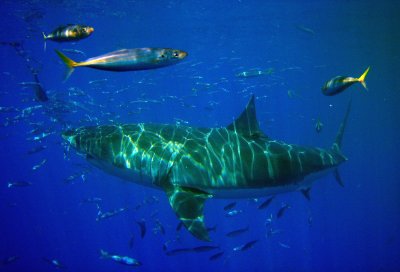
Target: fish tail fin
[(44, 38), (68, 62), (361, 79), (104, 254)]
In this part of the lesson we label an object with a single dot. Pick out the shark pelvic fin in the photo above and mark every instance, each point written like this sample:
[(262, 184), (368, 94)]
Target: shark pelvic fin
[(246, 124), (188, 204)]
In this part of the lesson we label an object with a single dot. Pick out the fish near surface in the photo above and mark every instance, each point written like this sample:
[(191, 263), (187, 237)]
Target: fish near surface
[(193, 164), (128, 60)]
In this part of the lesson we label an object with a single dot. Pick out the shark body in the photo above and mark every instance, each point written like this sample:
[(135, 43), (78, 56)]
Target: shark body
[(193, 164)]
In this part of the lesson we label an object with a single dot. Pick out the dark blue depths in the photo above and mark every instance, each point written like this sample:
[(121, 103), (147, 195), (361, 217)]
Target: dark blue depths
[(58, 212)]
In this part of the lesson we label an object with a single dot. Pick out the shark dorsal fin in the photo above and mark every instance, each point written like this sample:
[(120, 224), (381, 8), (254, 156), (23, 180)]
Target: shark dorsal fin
[(246, 124)]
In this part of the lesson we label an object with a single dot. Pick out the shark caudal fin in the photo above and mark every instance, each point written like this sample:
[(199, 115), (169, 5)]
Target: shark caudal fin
[(361, 79), (188, 204), (337, 145), (68, 62)]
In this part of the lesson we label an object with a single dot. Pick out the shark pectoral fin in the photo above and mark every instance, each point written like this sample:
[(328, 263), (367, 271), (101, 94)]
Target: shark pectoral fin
[(188, 205), (338, 177), (306, 193)]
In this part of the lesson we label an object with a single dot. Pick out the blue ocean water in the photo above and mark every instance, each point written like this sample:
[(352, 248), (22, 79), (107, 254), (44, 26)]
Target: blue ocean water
[(297, 45)]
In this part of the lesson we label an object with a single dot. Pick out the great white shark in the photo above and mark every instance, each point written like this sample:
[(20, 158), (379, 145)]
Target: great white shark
[(194, 164)]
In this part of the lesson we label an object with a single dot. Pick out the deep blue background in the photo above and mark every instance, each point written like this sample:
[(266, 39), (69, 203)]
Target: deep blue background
[(355, 228)]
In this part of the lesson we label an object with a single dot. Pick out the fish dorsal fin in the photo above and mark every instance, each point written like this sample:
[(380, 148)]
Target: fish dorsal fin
[(188, 204), (246, 124)]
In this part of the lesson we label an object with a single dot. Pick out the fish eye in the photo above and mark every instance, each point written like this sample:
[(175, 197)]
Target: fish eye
[(162, 56), (176, 54)]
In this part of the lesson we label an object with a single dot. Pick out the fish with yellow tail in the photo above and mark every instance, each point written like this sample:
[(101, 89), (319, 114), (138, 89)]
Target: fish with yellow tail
[(338, 84), (128, 60), (68, 33)]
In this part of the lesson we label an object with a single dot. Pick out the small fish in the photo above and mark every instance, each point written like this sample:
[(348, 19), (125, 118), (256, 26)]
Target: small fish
[(204, 248), (255, 73), (338, 84), (282, 210), (159, 228), (10, 259), (69, 33), (142, 226), (284, 245), (233, 213), (230, 206), (268, 221), (56, 263), (265, 204), (37, 166), (95, 200), (318, 126), (128, 60), (246, 246), (36, 149), (8, 110), (216, 256), (104, 215), (74, 51), (19, 184), (271, 232), (237, 232), (178, 251), (306, 29), (120, 259), (97, 81)]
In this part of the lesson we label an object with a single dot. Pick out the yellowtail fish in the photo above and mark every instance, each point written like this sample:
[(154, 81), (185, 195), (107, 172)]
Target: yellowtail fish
[(68, 33), (340, 83), (128, 59)]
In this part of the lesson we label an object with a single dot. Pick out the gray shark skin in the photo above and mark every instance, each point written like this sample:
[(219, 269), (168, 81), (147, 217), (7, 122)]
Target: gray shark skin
[(193, 164)]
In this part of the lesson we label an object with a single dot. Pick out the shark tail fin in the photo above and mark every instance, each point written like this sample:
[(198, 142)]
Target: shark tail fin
[(337, 145), (68, 62), (361, 79)]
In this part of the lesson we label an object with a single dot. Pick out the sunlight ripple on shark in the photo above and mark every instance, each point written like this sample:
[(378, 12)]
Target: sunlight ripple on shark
[(193, 164)]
